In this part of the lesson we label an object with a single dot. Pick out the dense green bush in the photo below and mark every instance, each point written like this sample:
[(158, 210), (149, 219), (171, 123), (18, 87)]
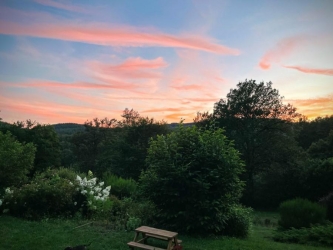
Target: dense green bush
[(120, 187), (239, 222), (193, 179), (317, 235), (47, 195), (16, 160), (318, 181), (298, 213)]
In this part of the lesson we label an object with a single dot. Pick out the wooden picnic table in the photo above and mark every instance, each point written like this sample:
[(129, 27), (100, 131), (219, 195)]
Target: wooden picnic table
[(143, 233)]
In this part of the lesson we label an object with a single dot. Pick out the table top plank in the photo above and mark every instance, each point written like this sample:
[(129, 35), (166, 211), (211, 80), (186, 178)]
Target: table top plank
[(157, 232)]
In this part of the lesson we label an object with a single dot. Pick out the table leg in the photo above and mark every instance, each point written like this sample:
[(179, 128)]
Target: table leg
[(170, 244), (175, 241), (136, 236)]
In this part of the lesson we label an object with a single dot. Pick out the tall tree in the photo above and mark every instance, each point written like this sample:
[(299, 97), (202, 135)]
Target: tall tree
[(255, 117)]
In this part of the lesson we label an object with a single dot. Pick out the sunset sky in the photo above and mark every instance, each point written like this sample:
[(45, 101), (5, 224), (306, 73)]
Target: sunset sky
[(71, 61)]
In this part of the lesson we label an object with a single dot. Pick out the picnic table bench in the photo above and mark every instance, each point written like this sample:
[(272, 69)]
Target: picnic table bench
[(143, 233)]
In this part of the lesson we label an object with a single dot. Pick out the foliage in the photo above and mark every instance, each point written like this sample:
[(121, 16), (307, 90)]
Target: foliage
[(120, 187), (55, 192), (193, 173), (126, 154), (327, 201), (239, 222), (323, 148), (116, 146), (133, 223), (313, 131), (280, 182), (16, 160), (48, 147), (43, 137), (128, 213), (318, 178), (255, 117), (47, 195), (298, 213), (315, 235)]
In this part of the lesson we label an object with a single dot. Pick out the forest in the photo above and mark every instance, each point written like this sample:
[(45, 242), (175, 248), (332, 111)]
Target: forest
[(252, 152)]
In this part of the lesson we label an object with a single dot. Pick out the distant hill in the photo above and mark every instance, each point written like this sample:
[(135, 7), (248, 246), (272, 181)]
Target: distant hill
[(68, 128), (72, 128)]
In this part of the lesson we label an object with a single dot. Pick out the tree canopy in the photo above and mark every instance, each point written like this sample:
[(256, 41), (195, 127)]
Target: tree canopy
[(193, 173), (16, 160), (258, 121)]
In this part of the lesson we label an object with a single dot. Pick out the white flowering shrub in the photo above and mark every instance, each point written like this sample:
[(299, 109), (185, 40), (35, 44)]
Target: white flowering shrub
[(58, 192), (97, 203)]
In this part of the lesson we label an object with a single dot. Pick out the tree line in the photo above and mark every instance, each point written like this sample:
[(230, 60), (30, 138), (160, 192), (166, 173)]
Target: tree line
[(284, 154)]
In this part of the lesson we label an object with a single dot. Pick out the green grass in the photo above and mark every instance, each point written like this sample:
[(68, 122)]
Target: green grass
[(17, 234)]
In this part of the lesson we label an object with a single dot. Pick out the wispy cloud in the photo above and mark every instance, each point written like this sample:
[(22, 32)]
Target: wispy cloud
[(101, 34), (190, 87), (328, 72), (281, 50), (63, 6), (132, 68), (80, 85)]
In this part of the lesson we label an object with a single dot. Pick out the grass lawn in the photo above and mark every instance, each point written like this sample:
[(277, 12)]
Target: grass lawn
[(17, 234)]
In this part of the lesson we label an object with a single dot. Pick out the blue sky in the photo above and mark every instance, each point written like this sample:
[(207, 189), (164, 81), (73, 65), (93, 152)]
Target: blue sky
[(72, 61)]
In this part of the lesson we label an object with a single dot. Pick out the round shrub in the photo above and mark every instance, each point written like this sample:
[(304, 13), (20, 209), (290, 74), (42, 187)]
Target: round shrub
[(192, 177), (239, 222), (298, 213)]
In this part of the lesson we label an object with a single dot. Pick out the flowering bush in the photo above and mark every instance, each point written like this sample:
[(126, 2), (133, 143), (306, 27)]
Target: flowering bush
[(57, 193), (97, 198)]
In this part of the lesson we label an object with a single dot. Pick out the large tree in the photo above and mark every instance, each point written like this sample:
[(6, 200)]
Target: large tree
[(256, 118)]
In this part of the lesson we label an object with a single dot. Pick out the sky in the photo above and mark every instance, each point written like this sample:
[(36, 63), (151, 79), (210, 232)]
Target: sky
[(72, 61)]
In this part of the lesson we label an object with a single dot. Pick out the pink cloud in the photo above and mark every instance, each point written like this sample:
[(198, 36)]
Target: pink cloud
[(133, 68), (80, 85), (190, 87), (117, 36), (41, 109), (328, 72), (283, 49)]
